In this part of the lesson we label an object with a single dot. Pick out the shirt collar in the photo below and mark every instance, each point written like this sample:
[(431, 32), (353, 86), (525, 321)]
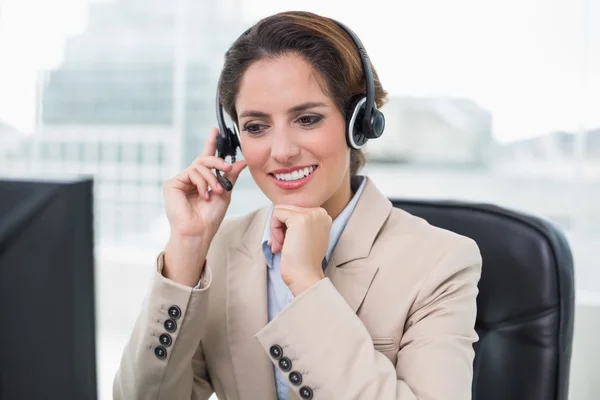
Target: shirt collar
[(337, 226)]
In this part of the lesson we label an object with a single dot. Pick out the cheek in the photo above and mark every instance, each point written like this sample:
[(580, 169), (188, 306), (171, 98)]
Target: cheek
[(255, 152), (332, 146)]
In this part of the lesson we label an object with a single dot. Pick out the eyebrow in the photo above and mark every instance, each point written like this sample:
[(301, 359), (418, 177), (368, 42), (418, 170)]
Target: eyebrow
[(295, 109)]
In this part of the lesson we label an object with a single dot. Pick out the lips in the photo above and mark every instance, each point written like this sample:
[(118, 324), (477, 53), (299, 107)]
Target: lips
[(293, 179), (295, 174)]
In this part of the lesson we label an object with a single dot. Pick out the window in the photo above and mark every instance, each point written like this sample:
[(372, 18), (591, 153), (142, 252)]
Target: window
[(90, 152), (129, 152), (149, 153), (110, 153)]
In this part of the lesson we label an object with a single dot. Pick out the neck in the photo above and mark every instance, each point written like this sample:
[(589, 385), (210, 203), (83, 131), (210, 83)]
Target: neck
[(340, 199)]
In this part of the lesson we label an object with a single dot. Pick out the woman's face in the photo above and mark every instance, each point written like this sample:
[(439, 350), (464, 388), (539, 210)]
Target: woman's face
[(293, 135)]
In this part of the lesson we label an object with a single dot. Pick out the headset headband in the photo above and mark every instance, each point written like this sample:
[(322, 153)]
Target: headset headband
[(366, 66)]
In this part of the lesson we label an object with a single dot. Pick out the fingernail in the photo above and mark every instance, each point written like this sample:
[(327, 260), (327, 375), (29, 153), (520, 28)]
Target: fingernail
[(206, 195), (218, 186)]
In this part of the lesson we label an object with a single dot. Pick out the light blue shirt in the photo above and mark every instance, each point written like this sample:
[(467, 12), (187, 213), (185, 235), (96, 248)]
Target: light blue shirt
[(279, 295)]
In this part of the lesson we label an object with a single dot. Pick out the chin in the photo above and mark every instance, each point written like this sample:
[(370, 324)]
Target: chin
[(304, 197), (305, 200)]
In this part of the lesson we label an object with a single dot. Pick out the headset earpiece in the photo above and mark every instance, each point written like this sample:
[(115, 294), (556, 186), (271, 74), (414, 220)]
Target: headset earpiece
[(360, 128), (227, 144), (354, 118), (377, 124)]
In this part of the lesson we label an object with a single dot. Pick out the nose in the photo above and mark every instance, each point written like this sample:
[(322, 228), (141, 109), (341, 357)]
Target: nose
[(283, 147)]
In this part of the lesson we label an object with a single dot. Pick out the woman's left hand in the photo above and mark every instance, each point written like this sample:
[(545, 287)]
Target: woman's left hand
[(302, 235)]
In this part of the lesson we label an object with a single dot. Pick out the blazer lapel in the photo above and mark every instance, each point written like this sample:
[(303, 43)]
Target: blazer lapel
[(352, 280), (350, 270), (247, 314)]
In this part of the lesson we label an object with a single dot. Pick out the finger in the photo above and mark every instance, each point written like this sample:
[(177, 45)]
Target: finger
[(290, 207), (276, 233), (210, 178), (213, 162), (236, 168), (210, 147), (198, 180), (181, 182), (277, 236), (280, 221)]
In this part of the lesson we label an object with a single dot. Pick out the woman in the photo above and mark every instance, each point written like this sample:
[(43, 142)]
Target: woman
[(330, 293)]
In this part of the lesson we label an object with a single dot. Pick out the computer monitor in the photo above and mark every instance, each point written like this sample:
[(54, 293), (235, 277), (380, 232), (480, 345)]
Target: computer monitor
[(47, 331)]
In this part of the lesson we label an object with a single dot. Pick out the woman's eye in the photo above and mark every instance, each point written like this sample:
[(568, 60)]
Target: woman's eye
[(253, 129), (309, 120)]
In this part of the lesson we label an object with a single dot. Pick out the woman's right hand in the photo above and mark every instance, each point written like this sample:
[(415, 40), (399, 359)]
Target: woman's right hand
[(195, 205)]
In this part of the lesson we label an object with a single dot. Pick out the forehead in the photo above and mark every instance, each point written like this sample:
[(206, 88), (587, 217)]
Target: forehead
[(279, 83)]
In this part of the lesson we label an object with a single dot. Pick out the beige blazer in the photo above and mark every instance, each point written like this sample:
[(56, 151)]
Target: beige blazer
[(393, 319)]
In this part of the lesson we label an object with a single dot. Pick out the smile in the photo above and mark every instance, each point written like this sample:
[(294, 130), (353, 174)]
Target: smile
[(294, 179), (295, 175)]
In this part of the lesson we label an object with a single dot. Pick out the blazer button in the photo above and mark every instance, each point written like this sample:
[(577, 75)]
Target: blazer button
[(170, 325), (160, 352), (165, 339), (285, 364), (276, 351), (306, 393), (174, 312), (295, 378)]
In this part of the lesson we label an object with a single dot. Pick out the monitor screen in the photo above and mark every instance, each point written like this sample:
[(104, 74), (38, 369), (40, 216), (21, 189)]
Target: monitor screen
[(47, 290)]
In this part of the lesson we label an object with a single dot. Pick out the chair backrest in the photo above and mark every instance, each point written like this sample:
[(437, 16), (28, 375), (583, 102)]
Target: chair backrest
[(525, 302)]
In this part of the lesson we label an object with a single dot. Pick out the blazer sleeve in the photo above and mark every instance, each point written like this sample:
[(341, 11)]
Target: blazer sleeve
[(153, 368), (333, 354)]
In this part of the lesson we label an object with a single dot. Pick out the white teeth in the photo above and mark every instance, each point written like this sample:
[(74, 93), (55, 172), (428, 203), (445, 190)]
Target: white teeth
[(295, 175)]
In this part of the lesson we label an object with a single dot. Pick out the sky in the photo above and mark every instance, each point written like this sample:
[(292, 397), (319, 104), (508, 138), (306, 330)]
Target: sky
[(534, 64)]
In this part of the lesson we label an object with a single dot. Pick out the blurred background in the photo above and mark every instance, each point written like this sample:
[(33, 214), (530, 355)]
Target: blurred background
[(494, 101)]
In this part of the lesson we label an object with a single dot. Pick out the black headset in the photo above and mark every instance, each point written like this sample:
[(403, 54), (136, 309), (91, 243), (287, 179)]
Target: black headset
[(363, 120)]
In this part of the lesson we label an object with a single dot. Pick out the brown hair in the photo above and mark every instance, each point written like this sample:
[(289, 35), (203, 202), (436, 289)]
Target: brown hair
[(320, 41)]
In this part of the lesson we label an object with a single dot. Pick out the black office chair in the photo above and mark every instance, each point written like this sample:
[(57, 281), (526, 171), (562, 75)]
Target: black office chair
[(525, 303)]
